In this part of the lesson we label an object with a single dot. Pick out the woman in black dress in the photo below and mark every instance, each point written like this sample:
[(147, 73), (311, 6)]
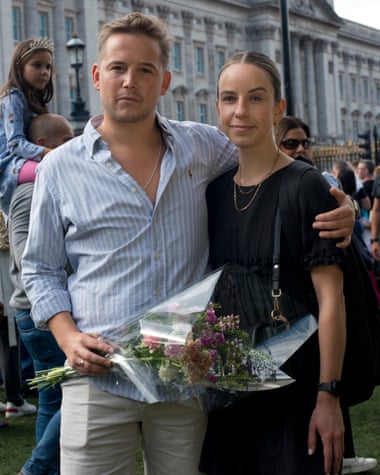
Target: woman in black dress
[(296, 430)]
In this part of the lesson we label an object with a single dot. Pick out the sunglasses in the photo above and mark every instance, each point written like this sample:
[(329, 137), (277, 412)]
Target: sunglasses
[(293, 144)]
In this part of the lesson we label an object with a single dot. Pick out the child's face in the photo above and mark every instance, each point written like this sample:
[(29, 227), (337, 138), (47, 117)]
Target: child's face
[(37, 69)]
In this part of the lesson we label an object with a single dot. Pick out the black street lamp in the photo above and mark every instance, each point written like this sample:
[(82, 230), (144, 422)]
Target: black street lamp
[(75, 48)]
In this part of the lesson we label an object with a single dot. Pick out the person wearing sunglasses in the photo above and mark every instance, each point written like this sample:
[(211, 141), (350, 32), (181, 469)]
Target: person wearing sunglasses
[(293, 138)]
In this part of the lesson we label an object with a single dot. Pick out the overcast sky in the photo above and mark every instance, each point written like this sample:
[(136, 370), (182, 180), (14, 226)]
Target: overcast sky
[(366, 12)]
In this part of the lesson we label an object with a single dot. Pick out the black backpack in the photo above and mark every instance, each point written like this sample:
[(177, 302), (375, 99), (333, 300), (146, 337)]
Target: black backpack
[(361, 367)]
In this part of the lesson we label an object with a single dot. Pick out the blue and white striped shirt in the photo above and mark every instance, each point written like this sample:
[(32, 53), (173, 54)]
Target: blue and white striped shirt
[(127, 253)]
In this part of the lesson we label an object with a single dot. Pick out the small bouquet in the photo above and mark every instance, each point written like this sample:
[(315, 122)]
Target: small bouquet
[(184, 343)]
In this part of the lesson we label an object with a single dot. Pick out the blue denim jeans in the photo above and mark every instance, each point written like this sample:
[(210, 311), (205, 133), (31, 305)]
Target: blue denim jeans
[(46, 354), (45, 456)]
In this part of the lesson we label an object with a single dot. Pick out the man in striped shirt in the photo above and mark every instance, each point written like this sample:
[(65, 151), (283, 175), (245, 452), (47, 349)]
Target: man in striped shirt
[(125, 204)]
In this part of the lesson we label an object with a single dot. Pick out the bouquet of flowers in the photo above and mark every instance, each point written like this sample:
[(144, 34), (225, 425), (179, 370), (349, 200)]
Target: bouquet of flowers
[(186, 343)]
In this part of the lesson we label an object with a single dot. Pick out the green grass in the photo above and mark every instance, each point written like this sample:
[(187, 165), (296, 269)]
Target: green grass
[(17, 440)]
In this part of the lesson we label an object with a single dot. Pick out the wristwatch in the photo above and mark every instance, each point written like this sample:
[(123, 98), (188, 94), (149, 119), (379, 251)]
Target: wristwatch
[(374, 240), (333, 387)]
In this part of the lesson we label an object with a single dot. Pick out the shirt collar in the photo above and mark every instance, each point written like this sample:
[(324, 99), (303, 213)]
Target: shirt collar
[(92, 137)]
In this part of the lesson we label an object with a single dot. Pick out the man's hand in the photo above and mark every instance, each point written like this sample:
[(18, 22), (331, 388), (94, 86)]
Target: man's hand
[(84, 351), (338, 223)]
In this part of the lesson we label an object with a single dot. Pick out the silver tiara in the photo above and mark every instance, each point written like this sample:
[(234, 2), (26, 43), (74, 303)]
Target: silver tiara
[(39, 43)]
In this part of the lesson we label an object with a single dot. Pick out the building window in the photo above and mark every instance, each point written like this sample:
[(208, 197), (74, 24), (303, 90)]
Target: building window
[(16, 23), (220, 59), (43, 23), (353, 88), (365, 89), (203, 113), (199, 60), (180, 110), (69, 27), (177, 57)]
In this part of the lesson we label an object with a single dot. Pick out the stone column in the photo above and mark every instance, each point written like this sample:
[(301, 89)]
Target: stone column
[(321, 79), (61, 62), (165, 102), (187, 18), (210, 25), (310, 86), (6, 43), (31, 20), (336, 92), (347, 93), (360, 92), (297, 76)]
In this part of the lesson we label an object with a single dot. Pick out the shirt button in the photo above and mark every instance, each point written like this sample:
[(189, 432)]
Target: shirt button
[(133, 190), (158, 293), (158, 255), (108, 163)]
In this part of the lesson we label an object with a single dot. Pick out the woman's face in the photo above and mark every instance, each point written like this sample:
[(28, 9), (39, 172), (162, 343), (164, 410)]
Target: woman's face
[(246, 106), (295, 143)]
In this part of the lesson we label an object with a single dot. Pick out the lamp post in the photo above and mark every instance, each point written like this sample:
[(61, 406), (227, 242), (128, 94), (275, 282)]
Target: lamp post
[(75, 47)]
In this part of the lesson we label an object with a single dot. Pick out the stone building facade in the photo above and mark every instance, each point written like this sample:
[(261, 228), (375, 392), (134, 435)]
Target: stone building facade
[(335, 63)]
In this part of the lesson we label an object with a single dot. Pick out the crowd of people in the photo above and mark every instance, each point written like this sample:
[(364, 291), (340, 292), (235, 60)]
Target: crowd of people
[(104, 225)]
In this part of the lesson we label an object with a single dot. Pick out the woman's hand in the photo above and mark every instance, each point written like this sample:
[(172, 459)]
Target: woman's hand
[(338, 223), (327, 422)]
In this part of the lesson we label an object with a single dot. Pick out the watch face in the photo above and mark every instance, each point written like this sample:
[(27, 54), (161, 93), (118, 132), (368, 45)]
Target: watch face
[(337, 388)]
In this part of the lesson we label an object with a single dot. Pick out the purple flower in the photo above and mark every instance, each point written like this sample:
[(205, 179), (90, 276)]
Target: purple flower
[(211, 317), (219, 338)]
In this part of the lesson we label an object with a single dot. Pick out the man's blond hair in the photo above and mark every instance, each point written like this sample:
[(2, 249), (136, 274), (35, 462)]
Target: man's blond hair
[(138, 23)]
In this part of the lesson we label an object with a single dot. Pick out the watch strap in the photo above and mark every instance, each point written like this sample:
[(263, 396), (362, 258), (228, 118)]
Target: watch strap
[(333, 387)]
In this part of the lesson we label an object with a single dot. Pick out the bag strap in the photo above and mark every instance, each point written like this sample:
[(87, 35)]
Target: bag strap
[(276, 289)]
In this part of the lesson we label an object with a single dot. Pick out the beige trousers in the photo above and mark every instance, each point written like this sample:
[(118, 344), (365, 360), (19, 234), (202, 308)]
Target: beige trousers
[(100, 433)]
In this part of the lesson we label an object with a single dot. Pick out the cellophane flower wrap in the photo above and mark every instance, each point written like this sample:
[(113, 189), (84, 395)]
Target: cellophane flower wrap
[(186, 345)]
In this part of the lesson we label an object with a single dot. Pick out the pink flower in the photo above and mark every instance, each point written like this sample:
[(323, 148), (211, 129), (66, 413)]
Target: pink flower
[(151, 341)]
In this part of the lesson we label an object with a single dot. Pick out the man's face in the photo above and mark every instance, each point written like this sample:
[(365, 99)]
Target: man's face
[(362, 171), (130, 77)]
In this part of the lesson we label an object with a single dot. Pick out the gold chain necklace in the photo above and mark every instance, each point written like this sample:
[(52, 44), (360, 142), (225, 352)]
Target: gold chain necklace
[(155, 167), (255, 189)]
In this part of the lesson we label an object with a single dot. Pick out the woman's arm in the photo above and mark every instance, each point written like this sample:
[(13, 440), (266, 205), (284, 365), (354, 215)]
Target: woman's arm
[(327, 420)]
